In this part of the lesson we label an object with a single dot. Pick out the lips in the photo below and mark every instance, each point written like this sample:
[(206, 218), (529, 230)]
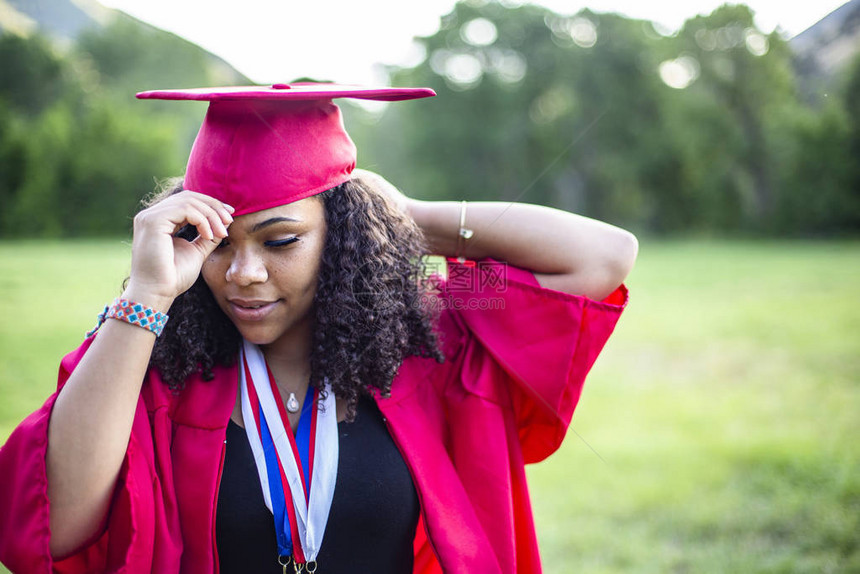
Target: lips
[(251, 309)]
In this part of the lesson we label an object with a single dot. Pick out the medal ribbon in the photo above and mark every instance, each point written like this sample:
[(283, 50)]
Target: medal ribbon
[(297, 474)]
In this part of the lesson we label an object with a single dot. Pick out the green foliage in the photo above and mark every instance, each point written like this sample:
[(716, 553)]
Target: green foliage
[(851, 97), (32, 75), (813, 161), (104, 159), (77, 153), (584, 112), (81, 168), (591, 125)]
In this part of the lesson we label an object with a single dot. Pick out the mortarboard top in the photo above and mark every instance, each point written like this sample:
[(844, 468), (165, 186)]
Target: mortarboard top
[(264, 146)]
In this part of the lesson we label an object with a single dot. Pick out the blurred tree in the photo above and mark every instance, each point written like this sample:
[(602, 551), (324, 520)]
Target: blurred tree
[(77, 152), (813, 163), (749, 77), (557, 110), (120, 154), (32, 75), (13, 158), (848, 209), (74, 159), (702, 131), (86, 169)]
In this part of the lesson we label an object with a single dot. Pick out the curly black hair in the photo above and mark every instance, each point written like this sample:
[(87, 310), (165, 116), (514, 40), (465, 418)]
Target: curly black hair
[(368, 307)]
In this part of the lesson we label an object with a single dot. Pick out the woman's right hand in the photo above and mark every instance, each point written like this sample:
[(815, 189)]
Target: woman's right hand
[(164, 266)]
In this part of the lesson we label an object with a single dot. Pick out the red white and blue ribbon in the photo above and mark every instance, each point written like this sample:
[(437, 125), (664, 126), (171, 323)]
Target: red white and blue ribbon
[(298, 473)]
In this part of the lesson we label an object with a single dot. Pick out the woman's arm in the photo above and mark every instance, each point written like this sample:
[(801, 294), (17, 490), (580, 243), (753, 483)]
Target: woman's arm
[(91, 420), (566, 252)]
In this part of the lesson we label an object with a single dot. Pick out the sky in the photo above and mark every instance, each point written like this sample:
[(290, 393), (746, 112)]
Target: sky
[(346, 40)]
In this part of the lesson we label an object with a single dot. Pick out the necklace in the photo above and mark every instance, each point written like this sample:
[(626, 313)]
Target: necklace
[(293, 404)]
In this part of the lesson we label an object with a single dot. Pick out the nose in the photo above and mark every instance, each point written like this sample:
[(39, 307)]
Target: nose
[(246, 268)]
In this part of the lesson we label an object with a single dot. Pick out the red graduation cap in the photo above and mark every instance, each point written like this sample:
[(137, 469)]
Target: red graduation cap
[(264, 146)]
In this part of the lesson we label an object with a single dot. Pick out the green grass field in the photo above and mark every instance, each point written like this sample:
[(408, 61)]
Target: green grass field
[(718, 432)]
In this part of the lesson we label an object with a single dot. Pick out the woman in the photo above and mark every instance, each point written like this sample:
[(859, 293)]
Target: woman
[(296, 299)]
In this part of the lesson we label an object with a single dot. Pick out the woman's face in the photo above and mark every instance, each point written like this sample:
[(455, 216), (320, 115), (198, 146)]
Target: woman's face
[(264, 274)]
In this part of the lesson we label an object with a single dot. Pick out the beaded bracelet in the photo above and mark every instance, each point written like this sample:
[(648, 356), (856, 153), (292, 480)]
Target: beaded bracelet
[(133, 313)]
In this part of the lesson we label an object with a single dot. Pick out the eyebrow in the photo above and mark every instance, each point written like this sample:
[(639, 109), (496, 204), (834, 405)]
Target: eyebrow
[(272, 221)]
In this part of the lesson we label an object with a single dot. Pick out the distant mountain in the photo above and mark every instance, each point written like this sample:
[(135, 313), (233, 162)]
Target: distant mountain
[(64, 22), (828, 46), (61, 20)]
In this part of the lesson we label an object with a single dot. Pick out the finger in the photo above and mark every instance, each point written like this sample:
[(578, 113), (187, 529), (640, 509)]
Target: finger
[(189, 208), (211, 211), (216, 220), (219, 230), (206, 246), (201, 223), (224, 210)]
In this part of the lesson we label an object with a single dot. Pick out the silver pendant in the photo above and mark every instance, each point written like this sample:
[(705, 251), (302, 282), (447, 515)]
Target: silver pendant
[(293, 403)]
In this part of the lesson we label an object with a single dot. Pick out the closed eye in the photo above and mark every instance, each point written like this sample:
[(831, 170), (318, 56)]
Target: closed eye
[(281, 242)]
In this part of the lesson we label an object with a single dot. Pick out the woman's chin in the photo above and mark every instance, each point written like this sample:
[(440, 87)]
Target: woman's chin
[(256, 336), (276, 333)]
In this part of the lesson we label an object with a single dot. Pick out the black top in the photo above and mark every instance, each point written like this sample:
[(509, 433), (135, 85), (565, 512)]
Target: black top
[(373, 514)]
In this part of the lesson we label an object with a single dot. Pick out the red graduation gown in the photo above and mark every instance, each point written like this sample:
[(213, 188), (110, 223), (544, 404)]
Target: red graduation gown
[(516, 359)]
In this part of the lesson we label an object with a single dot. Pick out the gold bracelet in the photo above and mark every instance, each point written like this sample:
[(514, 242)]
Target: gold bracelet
[(463, 234)]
